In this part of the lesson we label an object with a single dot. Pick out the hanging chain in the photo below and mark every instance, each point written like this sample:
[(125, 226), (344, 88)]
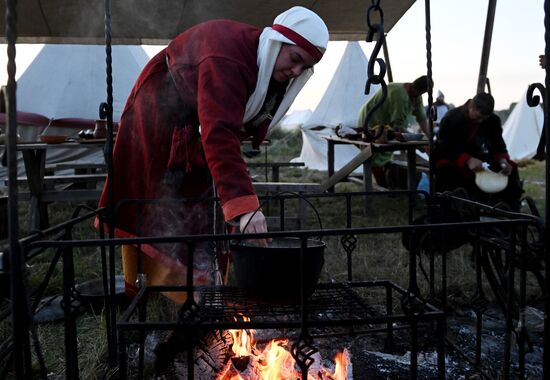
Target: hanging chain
[(375, 30), (546, 354), (106, 112), (20, 309), (532, 99), (106, 109), (432, 110)]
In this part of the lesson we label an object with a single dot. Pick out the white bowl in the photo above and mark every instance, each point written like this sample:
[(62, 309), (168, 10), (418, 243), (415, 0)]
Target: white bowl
[(491, 182)]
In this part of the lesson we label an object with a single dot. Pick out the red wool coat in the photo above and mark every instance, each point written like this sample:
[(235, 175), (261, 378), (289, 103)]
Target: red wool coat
[(204, 77)]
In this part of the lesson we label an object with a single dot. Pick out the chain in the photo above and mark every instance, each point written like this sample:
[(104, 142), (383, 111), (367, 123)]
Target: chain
[(375, 30), (432, 110), (534, 100)]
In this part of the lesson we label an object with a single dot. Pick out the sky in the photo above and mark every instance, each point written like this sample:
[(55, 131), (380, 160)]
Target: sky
[(457, 30)]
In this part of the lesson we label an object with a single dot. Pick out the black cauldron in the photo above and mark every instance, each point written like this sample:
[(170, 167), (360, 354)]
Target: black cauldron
[(273, 273)]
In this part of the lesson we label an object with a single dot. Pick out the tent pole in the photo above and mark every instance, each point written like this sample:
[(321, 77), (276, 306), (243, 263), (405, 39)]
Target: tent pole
[(482, 79)]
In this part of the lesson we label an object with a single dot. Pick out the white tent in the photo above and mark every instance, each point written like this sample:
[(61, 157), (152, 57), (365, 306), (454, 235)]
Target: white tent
[(69, 81), (522, 130), (295, 119), (340, 104)]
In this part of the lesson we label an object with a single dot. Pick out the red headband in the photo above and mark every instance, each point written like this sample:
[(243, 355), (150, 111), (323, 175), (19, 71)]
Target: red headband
[(299, 40)]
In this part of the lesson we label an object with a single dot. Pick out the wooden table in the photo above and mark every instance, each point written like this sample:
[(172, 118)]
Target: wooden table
[(34, 157), (365, 158)]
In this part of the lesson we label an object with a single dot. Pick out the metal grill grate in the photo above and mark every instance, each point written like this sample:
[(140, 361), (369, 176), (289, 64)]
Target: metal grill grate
[(328, 303)]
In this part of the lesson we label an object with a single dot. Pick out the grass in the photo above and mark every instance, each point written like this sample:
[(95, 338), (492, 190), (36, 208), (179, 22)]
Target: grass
[(532, 174), (378, 257)]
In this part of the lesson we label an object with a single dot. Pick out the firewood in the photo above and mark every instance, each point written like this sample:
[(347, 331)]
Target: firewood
[(212, 351)]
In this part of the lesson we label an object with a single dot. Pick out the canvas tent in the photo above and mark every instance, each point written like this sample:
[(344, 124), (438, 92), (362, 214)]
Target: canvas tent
[(340, 104), (68, 81), (522, 130), (295, 119)]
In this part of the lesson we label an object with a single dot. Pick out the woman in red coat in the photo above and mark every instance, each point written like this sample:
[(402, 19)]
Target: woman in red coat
[(214, 85)]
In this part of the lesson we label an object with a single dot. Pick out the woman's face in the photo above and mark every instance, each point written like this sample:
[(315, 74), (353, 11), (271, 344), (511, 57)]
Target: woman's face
[(291, 62)]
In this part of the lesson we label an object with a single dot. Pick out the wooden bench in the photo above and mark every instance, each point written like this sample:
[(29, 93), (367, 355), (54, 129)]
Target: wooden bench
[(277, 187), (51, 180), (71, 195), (61, 188), (68, 188), (79, 167), (57, 188), (275, 167)]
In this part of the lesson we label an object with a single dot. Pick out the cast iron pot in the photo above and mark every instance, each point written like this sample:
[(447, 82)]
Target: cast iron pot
[(273, 273)]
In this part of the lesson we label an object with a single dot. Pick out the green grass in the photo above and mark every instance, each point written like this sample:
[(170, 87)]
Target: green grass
[(533, 175)]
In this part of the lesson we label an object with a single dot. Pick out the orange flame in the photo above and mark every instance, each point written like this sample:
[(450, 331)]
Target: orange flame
[(275, 362)]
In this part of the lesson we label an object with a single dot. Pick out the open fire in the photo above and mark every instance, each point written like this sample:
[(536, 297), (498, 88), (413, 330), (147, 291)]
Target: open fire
[(274, 361)]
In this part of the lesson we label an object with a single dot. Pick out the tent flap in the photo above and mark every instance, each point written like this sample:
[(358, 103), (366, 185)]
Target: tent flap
[(151, 21), (522, 130)]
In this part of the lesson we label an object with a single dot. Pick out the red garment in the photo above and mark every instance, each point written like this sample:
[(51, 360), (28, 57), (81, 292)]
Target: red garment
[(158, 153)]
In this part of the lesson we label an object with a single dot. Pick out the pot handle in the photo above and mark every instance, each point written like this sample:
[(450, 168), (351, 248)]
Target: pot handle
[(279, 194)]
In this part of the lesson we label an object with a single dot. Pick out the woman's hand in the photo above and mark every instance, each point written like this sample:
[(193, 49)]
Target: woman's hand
[(254, 222), (474, 164), (505, 167)]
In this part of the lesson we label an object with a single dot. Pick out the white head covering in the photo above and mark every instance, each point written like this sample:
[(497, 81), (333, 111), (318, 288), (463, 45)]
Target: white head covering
[(306, 24)]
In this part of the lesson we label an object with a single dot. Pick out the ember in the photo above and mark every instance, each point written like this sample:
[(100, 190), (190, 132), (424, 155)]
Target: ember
[(250, 362)]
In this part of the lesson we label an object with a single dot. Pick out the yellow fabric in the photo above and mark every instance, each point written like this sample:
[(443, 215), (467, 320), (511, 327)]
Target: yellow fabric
[(157, 273), (160, 274)]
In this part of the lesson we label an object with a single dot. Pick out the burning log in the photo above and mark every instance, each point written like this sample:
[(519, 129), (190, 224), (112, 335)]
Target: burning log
[(239, 368), (234, 355), (211, 353), (252, 361)]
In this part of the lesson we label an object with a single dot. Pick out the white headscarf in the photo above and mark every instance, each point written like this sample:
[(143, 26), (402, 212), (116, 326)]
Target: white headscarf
[(309, 26)]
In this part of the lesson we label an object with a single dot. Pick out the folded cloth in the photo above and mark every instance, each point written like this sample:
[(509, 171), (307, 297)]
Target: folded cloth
[(346, 132)]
